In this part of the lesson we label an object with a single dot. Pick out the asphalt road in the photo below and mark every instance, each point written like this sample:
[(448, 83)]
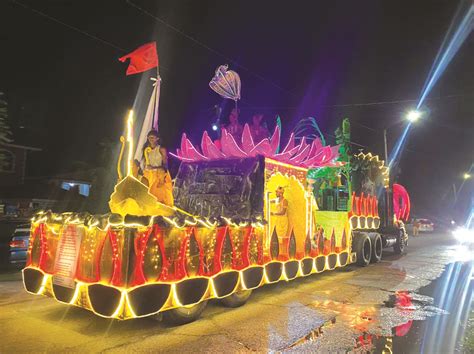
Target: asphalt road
[(339, 310)]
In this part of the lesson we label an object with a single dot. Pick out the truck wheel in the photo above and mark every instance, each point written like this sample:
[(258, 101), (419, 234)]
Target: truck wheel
[(185, 314), (376, 242), (236, 299), (363, 248), (402, 241)]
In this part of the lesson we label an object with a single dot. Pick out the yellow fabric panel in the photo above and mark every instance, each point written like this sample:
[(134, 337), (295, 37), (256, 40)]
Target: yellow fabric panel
[(295, 194), (337, 220)]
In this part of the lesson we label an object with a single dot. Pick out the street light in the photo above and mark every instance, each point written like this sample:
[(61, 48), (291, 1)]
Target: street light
[(466, 175), (413, 116)]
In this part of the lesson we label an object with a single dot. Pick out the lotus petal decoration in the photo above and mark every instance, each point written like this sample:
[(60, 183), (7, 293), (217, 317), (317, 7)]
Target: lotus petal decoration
[(247, 140), (275, 139), (291, 143), (192, 152), (210, 150), (204, 146), (229, 146), (262, 148), (303, 154), (183, 145)]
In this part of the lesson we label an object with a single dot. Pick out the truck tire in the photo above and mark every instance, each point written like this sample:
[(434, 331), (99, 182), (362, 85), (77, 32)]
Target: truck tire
[(185, 314), (236, 299), (376, 241), (402, 242), (363, 248)]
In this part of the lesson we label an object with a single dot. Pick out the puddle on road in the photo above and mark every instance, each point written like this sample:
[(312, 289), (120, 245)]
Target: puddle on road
[(429, 320)]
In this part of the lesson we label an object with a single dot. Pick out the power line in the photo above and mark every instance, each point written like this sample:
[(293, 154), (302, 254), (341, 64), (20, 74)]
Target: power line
[(87, 34), (205, 46), (374, 103), (70, 26)]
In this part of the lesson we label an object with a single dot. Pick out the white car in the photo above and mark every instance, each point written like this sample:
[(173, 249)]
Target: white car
[(425, 225)]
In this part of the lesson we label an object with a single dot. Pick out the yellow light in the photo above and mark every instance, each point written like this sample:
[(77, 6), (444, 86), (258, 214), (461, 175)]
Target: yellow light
[(278, 163), (119, 308), (467, 175), (76, 293), (130, 142)]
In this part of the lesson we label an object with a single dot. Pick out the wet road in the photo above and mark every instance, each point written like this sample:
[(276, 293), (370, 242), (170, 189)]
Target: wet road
[(413, 303)]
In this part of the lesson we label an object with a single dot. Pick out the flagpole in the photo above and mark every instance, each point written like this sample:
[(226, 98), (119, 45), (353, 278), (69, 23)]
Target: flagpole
[(157, 99)]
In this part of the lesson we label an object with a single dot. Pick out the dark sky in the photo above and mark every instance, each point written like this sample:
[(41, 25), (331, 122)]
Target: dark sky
[(66, 87)]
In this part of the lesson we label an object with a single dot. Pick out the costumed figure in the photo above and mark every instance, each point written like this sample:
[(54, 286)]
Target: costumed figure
[(279, 213), (159, 179), (258, 130), (234, 127), (137, 172)]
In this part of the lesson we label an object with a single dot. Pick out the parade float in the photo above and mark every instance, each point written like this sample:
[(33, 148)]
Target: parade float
[(220, 237)]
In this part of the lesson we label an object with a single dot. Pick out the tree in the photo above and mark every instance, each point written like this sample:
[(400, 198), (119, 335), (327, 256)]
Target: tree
[(5, 132)]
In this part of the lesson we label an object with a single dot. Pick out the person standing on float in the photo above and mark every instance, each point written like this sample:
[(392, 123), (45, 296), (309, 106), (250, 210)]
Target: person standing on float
[(234, 127), (258, 130), (279, 216), (156, 162)]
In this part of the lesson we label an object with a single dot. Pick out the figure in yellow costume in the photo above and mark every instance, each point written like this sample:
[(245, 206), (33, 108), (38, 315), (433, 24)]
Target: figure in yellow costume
[(159, 179), (279, 213)]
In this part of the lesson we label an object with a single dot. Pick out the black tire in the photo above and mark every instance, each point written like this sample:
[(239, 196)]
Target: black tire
[(402, 242), (236, 299), (362, 246), (185, 314), (376, 241)]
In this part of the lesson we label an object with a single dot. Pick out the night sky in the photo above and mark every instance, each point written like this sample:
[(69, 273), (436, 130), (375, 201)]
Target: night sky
[(67, 91)]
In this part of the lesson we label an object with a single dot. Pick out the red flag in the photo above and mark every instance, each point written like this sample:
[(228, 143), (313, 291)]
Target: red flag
[(142, 59)]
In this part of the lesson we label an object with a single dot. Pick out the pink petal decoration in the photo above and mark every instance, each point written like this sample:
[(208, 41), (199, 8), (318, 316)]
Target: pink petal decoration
[(303, 154), (204, 149), (262, 148), (315, 146), (181, 158), (284, 156), (291, 143), (230, 147), (302, 145), (213, 151), (316, 159), (247, 140), (298, 158), (193, 153), (327, 155), (335, 151), (184, 150), (275, 139), (293, 151)]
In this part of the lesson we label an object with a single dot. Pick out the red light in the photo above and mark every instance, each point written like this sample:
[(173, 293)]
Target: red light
[(17, 244)]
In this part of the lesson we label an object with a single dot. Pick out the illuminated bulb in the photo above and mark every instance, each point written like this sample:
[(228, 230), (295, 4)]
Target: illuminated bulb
[(413, 116)]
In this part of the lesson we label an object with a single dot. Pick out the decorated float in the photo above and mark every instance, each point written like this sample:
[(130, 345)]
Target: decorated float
[(222, 235)]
